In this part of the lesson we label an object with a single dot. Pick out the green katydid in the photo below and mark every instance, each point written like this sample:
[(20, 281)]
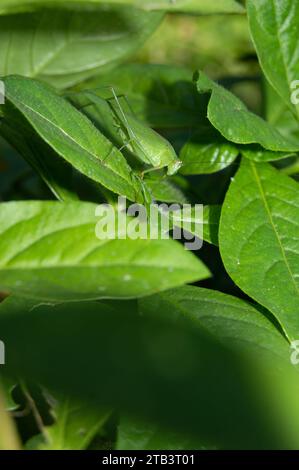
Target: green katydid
[(142, 141)]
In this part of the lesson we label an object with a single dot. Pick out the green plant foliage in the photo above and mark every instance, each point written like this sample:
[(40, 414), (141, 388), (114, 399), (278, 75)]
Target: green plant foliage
[(74, 427), (149, 225), (63, 48), (237, 124), (165, 191), (274, 29), (161, 95), (186, 6), (56, 256), (209, 224), (259, 239), (136, 435), (207, 152), (141, 366), (71, 135)]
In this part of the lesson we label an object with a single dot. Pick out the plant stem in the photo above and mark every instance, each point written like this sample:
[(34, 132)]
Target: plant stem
[(35, 411)]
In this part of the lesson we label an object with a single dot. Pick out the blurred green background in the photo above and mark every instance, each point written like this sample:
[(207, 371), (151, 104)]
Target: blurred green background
[(217, 44)]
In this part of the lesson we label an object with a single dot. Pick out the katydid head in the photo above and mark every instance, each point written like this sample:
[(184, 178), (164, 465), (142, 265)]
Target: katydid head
[(174, 167)]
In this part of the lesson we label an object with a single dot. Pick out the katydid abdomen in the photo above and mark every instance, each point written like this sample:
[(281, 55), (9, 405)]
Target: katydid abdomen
[(150, 147)]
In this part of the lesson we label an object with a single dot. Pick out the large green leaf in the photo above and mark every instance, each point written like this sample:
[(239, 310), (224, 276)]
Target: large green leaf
[(229, 115), (259, 240), (162, 367), (235, 322), (188, 6), (71, 135), (75, 425), (63, 47), (245, 329), (274, 26), (50, 250)]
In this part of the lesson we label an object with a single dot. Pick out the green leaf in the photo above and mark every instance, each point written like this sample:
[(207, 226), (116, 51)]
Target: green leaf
[(259, 240), (157, 365), (235, 322), (187, 6), (64, 48), (75, 425), (245, 329), (278, 114), (163, 96), (134, 434), (211, 217), (274, 28), (207, 152), (71, 135), (237, 124), (208, 225), (165, 190), (50, 250)]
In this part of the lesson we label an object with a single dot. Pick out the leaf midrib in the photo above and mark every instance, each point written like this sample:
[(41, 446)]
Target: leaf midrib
[(267, 208)]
